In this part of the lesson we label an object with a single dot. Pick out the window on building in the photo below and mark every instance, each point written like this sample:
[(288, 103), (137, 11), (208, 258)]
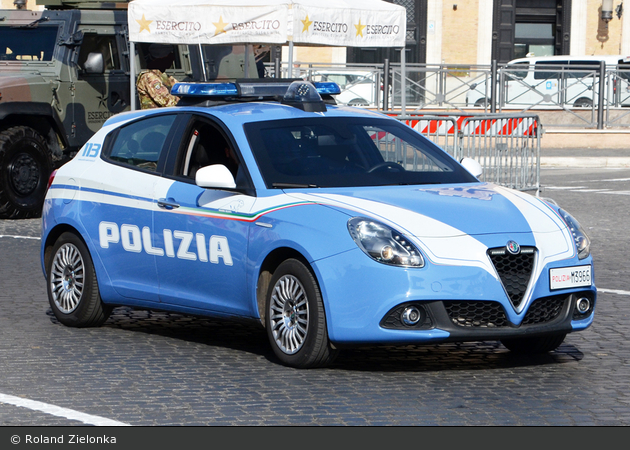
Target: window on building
[(535, 27)]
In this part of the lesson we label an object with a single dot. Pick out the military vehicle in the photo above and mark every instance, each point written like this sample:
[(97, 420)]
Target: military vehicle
[(63, 71)]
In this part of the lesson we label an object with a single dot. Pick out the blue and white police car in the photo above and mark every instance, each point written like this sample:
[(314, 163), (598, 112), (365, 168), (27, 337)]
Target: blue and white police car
[(328, 225)]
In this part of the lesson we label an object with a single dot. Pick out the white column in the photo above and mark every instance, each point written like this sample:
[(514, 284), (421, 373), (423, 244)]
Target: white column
[(578, 27), (434, 32), (625, 33), (484, 32)]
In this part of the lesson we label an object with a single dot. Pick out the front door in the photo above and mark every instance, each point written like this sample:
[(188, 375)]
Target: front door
[(203, 231)]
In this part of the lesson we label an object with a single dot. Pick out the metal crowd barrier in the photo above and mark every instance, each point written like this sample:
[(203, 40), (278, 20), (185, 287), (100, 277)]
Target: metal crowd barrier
[(506, 145)]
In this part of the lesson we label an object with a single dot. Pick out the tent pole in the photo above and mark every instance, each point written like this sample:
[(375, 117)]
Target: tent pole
[(403, 83), (290, 68), (203, 63), (246, 62), (132, 78)]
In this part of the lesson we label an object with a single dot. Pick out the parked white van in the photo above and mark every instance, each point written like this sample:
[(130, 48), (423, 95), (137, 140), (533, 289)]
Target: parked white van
[(560, 80)]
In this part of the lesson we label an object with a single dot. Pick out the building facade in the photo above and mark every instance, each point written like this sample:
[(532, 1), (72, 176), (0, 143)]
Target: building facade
[(476, 32)]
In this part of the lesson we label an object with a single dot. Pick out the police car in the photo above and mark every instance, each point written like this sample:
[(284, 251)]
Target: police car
[(329, 226)]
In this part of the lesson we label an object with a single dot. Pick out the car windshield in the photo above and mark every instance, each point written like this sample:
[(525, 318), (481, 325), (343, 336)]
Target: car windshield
[(27, 44), (343, 152)]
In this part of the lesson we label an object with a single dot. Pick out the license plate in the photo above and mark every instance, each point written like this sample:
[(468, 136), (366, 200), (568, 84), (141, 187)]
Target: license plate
[(570, 277)]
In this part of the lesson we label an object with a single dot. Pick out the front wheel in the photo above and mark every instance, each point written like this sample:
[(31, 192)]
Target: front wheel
[(358, 102), (295, 318), (25, 165), (72, 287), (534, 345), (482, 103)]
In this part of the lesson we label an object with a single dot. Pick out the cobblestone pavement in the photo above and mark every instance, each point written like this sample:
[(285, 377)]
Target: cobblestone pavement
[(155, 368)]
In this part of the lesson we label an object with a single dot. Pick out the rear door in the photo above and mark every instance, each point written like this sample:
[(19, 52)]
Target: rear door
[(123, 218)]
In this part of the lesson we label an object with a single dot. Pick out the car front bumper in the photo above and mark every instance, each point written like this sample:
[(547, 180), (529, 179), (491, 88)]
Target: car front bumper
[(365, 300)]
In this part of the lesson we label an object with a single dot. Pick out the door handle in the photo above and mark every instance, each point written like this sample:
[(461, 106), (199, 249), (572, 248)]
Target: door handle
[(167, 203)]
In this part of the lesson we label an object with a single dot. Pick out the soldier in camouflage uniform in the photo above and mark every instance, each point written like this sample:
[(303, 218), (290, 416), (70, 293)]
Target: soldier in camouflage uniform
[(153, 85)]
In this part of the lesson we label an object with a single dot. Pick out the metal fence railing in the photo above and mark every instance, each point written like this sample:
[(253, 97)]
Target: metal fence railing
[(562, 95), (506, 145)]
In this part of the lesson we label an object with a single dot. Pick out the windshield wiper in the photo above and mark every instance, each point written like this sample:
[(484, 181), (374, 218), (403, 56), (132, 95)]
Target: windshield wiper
[(292, 185)]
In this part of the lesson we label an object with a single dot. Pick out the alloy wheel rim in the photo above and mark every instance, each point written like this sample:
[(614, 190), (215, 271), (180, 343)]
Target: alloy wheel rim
[(289, 314), (67, 278)]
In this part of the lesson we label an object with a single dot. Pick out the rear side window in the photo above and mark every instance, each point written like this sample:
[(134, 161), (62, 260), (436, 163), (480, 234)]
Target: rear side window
[(141, 143), (554, 69), (566, 69), (591, 68)]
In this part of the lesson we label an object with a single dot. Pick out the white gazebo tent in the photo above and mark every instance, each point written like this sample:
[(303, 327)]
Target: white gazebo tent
[(365, 23)]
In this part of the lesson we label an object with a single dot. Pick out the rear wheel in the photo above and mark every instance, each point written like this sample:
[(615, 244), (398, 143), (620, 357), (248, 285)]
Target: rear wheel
[(72, 287), (295, 318), (534, 345), (25, 166), (583, 103)]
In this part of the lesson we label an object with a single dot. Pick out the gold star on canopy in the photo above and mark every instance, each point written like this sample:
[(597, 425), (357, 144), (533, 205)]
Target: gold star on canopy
[(359, 28), (144, 24), (307, 23), (220, 26)]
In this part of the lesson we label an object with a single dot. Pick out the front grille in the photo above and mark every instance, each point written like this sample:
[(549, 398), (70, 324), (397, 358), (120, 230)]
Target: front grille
[(477, 314), (514, 270), (544, 309)]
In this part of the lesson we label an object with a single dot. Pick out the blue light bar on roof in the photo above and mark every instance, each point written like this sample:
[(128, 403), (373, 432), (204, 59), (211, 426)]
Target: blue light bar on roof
[(204, 89), (245, 89), (327, 87)]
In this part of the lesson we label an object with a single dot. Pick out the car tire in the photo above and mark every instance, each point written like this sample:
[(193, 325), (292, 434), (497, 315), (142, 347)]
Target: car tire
[(25, 166), (482, 103), (72, 286), (295, 319), (583, 103), (358, 102), (534, 345)]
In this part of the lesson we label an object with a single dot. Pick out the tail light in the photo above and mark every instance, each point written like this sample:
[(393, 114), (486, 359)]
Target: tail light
[(51, 178)]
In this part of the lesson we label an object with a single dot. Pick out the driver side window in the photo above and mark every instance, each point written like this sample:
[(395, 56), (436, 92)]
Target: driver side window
[(103, 44), (206, 146)]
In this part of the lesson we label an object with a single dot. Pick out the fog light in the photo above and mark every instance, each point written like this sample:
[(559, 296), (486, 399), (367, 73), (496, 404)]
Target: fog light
[(583, 305), (411, 316)]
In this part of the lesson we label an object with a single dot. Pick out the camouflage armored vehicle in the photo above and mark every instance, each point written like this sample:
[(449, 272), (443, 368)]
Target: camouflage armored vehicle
[(63, 71)]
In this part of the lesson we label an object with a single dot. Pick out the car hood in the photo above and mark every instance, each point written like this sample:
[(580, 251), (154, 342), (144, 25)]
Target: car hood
[(445, 210)]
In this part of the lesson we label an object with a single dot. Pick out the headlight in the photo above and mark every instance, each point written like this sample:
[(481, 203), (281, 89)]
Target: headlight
[(582, 241), (384, 244)]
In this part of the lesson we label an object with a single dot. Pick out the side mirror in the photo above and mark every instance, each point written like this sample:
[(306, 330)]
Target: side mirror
[(472, 166), (77, 38), (215, 176), (94, 63)]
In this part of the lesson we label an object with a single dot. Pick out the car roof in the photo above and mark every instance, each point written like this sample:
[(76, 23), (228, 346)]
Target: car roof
[(609, 59), (343, 72), (265, 111), (238, 113)]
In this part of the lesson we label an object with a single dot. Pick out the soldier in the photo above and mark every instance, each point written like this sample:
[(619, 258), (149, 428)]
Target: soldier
[(153, 85)]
